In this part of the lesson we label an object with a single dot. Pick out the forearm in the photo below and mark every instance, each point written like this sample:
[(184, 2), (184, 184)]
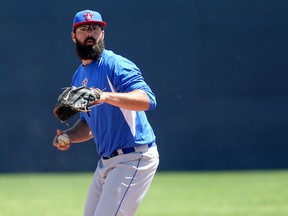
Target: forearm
[(79, 132), (136, 100)]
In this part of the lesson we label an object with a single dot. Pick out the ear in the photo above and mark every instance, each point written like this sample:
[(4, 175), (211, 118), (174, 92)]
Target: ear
[(73, 36)]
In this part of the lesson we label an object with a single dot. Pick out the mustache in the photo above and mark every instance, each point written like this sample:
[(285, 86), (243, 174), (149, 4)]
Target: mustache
[(90, 38)]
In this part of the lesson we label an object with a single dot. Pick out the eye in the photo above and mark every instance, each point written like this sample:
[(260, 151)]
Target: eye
[(83, 28), (95, 27)]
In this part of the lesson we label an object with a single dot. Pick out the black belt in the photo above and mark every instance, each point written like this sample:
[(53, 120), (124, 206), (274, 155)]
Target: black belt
[(125, 151)]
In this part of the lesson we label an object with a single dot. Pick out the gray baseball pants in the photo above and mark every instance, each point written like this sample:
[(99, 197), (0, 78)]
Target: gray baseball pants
[(121, 182)]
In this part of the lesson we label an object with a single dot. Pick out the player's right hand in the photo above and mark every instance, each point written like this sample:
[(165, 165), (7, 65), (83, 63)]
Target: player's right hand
[(57, 145)]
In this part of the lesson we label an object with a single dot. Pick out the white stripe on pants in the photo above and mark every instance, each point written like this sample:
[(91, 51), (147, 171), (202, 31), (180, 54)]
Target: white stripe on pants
[(120, 183)]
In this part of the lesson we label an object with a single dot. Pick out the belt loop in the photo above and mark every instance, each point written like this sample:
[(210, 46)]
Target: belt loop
[(119, 151)]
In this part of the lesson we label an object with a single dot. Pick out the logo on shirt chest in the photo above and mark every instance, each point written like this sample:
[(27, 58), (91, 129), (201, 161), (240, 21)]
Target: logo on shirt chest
[(85, 82)]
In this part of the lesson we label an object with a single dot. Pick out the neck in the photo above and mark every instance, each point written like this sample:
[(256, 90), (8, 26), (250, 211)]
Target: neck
[(86, 62)]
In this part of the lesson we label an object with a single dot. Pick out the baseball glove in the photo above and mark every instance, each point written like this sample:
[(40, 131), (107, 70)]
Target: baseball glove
[(75, 99)]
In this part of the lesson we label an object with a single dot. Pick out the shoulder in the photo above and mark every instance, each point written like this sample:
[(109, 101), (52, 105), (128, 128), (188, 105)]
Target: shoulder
[(117, 60)]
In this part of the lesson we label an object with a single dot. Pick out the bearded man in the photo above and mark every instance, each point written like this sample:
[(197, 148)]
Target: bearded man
[(117, 122)]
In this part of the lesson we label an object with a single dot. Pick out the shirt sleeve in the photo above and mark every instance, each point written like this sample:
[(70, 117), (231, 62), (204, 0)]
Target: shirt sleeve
[(127, 77)]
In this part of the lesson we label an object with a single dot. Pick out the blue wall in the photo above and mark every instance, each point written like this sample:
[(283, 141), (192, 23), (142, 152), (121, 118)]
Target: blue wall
[(218, 68)]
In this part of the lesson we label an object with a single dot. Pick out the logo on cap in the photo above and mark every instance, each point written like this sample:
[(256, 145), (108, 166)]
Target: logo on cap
[(88, 16)]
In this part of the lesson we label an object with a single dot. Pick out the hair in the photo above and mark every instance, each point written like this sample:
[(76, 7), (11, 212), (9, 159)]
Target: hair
[(92, 52)]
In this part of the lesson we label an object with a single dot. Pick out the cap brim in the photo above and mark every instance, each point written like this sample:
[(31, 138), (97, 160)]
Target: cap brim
[(103, 24)]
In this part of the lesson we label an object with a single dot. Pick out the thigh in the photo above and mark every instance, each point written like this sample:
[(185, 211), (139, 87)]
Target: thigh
[(94, 194), (126, 184)]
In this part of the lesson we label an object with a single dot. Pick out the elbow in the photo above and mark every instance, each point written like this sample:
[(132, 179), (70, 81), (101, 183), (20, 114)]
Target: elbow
[(153, 105), (152, 101)]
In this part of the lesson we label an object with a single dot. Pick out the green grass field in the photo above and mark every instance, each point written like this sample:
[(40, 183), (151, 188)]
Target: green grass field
[(253, 193)]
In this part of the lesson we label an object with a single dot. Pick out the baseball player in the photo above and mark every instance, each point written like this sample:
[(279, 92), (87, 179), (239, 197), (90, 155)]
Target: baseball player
[(117, 122)]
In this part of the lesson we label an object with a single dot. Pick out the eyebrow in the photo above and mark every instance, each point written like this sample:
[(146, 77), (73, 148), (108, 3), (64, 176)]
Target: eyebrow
[(86, 25)]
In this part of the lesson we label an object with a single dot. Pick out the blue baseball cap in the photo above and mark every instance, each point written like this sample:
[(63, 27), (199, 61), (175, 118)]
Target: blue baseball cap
[(88, 17)]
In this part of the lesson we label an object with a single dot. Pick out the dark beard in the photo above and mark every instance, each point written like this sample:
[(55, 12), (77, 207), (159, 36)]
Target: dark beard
[(92, 52)]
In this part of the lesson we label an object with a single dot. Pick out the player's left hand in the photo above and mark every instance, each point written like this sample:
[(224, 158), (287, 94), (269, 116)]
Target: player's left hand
[(75, 99)]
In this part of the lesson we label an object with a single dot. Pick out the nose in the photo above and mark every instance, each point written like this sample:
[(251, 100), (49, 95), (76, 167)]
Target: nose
[(89, 31), (89, 34)]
